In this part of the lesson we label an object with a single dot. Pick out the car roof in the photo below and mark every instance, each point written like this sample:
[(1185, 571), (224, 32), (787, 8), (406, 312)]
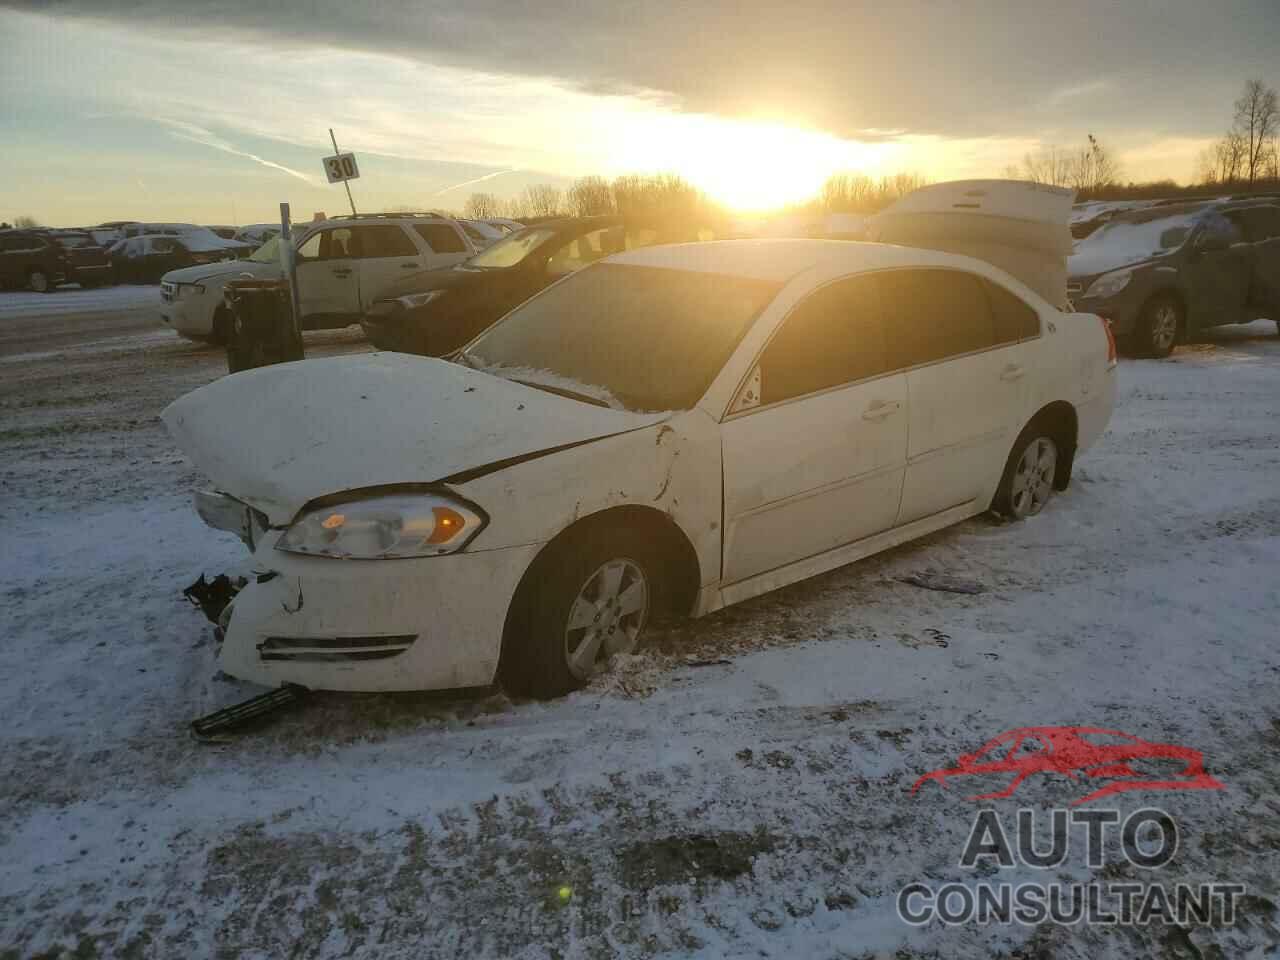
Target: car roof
[(781, 259), (1165, 211)]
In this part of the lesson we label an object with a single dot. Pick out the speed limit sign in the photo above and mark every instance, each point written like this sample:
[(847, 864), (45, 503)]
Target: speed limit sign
[(341, 167)]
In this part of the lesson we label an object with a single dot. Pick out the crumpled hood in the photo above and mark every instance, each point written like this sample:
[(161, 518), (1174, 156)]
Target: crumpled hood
[(225, 269), (278, 437)]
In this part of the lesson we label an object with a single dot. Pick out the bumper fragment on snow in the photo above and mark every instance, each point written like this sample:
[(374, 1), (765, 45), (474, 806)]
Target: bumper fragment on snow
[(247, 711)]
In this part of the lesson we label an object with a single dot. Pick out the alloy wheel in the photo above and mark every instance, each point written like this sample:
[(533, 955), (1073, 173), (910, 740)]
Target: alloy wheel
[(606, 617), (1164, 327), (1033, 477)]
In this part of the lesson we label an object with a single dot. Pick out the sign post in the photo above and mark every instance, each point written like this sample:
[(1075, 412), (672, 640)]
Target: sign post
[(289, 261), (342, 167)]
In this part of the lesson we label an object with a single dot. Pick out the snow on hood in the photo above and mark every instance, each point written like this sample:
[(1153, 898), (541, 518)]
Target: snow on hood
[(1126, 243), (223, 268), (278, 437)]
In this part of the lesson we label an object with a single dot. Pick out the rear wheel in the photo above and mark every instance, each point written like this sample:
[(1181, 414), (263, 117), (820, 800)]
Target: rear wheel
[(39, 281), (1158, 327), (1028, 478), (589, 599)]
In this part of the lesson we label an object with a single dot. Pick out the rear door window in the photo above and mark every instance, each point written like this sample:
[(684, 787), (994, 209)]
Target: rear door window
[(832, 337), (1013, 318), (931, 315), (441, 238), (384, 240)]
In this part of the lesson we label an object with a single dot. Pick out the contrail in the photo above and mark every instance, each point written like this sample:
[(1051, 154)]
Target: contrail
[(194, 134), (467, 183)]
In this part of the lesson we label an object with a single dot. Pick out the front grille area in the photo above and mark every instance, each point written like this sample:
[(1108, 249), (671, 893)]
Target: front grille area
[(334, 649), (167, 290)]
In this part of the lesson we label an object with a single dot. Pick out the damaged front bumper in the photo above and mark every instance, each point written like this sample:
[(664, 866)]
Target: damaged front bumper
[(432, 623)]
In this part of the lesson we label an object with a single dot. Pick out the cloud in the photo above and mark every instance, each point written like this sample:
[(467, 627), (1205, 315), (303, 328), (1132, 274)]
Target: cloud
[(182, 130), (917, 65)]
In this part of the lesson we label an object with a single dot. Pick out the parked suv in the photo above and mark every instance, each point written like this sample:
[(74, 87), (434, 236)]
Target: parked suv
[(88, 262), (1162, 274), (30, 259), (344, 264)]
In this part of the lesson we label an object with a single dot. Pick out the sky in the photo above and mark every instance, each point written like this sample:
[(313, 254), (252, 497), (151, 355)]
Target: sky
[(214, 111)]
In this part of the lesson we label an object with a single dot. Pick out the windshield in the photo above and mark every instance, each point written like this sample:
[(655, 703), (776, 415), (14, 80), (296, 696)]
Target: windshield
[(71, 240), (511, 250), (650, 338), (269, 252), (1130, 239)]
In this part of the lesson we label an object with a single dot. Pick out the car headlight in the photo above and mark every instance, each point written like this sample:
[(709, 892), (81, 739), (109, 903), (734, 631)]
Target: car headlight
[(412, 301), (382, 528), (1109, 284), (190, 289)]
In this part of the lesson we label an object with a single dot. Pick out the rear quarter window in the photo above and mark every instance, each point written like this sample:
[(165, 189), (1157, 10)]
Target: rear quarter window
[(441, 238)]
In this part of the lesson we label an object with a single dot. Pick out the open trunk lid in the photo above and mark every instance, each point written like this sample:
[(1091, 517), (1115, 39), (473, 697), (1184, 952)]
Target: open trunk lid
[(1022, 228)]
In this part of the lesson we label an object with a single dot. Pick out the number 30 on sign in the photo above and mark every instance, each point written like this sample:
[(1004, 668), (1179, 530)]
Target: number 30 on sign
[(341, 167)]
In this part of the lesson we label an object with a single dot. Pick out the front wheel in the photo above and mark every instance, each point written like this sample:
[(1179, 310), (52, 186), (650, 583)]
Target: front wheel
[(588, 600), (1158, 326), (1027, 483)]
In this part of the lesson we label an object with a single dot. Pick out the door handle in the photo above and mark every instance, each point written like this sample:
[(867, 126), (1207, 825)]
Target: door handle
[(342, 271), (881, 409), (1013, 371), (410, 266)]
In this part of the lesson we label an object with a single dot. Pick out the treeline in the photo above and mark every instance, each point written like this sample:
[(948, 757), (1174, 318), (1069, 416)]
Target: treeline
[(662, 194)]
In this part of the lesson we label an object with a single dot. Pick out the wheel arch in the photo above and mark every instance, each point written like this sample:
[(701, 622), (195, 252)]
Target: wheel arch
[(680, 570), (1062, 424)]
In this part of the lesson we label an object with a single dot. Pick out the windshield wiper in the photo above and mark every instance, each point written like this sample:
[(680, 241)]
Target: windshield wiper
[(561, 391)]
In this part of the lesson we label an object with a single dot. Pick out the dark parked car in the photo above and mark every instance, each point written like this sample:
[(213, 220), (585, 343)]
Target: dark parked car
[(147, 259), (29, 258), (90, 266), (437, 311), (1163, 274)]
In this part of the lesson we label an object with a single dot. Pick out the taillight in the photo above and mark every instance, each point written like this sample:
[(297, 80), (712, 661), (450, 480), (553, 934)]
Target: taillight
[(1111, 342)]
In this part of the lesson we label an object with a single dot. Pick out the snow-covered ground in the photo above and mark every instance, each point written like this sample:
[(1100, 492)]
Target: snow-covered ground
[(681, 806), (72, 299)]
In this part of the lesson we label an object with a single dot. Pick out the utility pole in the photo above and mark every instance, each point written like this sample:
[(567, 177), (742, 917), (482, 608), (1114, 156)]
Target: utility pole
[(345, 183)]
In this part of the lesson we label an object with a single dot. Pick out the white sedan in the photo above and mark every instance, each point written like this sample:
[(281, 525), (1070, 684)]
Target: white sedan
[(672, 429)]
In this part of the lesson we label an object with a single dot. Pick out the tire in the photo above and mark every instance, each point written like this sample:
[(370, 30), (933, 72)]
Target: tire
[(589, 597), (220, 331), (1027, 483), (38, 281), (1159, 325)]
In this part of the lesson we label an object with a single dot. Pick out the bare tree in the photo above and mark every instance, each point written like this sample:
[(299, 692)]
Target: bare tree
[(26, 223), (1223, 162), (481, 206), (1048, 165), (1093, 168), (1257, 122), (541, 200), (663, 194), (590, 197)]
